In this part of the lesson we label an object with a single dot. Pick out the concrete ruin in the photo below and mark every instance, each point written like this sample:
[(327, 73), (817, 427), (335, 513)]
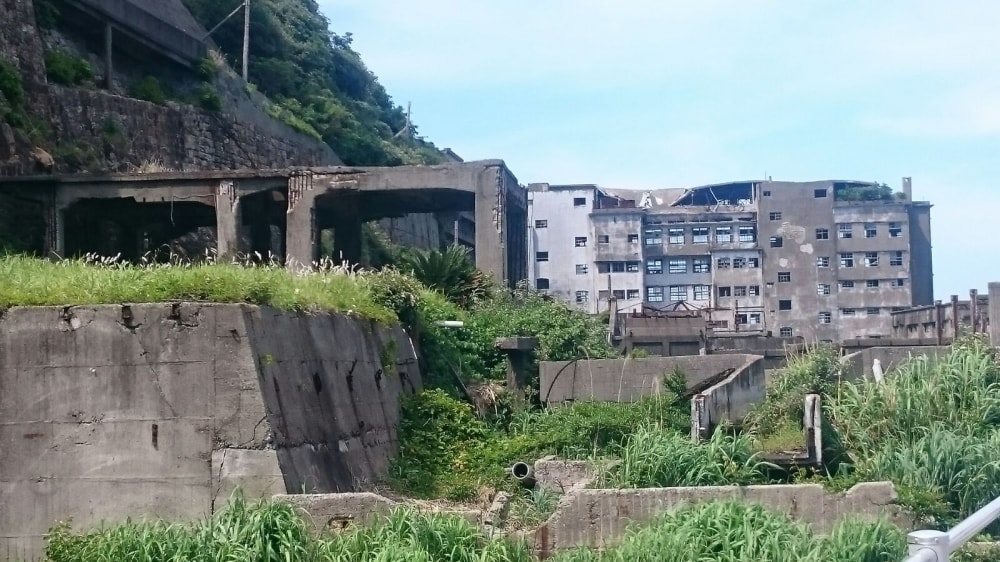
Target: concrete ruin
[(168, 407), (276, 212)]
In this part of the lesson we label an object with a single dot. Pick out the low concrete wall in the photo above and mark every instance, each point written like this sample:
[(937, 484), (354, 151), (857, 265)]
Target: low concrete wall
[(599, 518), (628, 379), (732, 398), (340, 511), (858, 365), (167, 408)]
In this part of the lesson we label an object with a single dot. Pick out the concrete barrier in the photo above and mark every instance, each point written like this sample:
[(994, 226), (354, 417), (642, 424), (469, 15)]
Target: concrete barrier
[(108, 412), (628, 379), (598, 518), (858, 365), (729, 400)]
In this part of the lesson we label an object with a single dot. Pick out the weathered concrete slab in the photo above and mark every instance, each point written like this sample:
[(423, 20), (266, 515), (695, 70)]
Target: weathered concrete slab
[(168, 407)]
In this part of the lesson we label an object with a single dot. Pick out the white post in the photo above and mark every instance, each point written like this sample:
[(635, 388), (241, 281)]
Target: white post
[(931, 546), (246, 37)]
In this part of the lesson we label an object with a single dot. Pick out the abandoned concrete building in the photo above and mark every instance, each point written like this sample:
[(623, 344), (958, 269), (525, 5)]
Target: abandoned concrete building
[(939, 323), (824, 260)]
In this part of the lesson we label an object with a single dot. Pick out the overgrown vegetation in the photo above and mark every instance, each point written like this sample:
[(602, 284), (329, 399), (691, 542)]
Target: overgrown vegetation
[(268, 531), (67, 69), (731, 531), (148, 89), (873, 192), (11, 94), (318, 83)]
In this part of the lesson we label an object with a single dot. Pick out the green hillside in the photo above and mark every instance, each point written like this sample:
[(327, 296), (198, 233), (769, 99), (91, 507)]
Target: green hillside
[(318, 83)]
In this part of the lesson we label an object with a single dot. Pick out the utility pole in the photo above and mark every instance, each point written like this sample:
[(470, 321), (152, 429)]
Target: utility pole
[(246, 38)]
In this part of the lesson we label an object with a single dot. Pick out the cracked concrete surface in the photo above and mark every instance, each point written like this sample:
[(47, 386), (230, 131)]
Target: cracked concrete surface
[(163, 410)]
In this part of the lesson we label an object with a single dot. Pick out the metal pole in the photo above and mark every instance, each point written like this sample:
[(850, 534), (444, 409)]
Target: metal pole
[(246, 37), (927, 546)]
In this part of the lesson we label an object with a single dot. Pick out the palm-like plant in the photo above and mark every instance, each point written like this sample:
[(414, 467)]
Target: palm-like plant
[(449, 271)]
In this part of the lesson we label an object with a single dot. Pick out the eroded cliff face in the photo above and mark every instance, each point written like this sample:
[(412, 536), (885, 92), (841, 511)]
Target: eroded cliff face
[(91, 128), (163, 409)]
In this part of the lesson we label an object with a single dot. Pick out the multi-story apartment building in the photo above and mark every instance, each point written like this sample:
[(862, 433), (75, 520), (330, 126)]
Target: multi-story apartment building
[(827, 260)]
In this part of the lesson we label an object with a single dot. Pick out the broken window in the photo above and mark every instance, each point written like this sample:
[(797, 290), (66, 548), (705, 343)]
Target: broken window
[(542, 284), (753, 290), (542, 224), (699, 235), (739, 263), (675, 236), (579, 201), (603, 239), (724, 234), (654, 294), (701, 292), (822, 289), (632, 295), (822, 234), (603, 266), (739, 291), (847, 312), (847, 284), (898, 282), (785, 332), (847, 260), (819, 193), (654, 267), (582, 297), (871, 259), (654, 236), (725, 292), (872, 283), (722, 263), (823, 261), (633, 238), (825, 317), (678, 293), (874, 311), (580, 241), (870, 231), (767, 193), (774, 215), (784, 277), (753, 263), (633, 267), (748, 234), (701, 265), (679, 265), (541, 256), (846, 230), (784, 304), (896, 258), (895, 230), (581, 269), (618, 294), (777, 242), (617, 267)]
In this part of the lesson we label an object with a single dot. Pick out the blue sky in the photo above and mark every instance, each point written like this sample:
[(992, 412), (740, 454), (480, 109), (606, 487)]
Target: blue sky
[(649, 94)]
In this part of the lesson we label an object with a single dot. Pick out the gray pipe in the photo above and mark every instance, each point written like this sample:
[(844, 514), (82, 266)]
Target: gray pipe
[(523, 473)]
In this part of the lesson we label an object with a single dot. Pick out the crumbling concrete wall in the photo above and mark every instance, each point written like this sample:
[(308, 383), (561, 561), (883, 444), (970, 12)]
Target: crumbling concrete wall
[(341, 511), (166, 408), (858, 365), (599, 518), (731, 399), (627, 380)]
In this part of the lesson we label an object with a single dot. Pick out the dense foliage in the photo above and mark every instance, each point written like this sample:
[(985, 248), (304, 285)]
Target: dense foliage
[(317, 81)]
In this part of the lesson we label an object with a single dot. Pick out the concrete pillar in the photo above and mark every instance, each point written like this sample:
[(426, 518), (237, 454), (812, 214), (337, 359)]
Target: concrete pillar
[(518, 352), (491, 224), (938, 322), (955, 319), (974, 310), (109, 67), (228, 219), (994, 314), (301, 235), (347, 239)]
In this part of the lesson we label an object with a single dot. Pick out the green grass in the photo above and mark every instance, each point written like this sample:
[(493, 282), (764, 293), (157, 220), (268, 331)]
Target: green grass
[(730, 531), (34, 282), (269, 531)]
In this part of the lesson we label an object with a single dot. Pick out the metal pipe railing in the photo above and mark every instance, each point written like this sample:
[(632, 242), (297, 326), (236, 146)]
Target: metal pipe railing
[(937, 546)]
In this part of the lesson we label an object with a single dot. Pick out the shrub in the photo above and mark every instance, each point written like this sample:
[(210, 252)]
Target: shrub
[(208, 98), (811, 372), (448, 271), (148, 89), (10, 84), (63, 67), (207, 69), (46, 14)]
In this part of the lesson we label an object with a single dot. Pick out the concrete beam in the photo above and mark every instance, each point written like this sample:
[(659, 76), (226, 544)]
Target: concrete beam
[(228, 220)]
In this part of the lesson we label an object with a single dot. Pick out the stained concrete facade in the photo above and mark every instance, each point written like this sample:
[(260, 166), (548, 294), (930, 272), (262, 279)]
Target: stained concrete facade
[(167, 408), (279, 212), (822, 261), (942, 322)]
